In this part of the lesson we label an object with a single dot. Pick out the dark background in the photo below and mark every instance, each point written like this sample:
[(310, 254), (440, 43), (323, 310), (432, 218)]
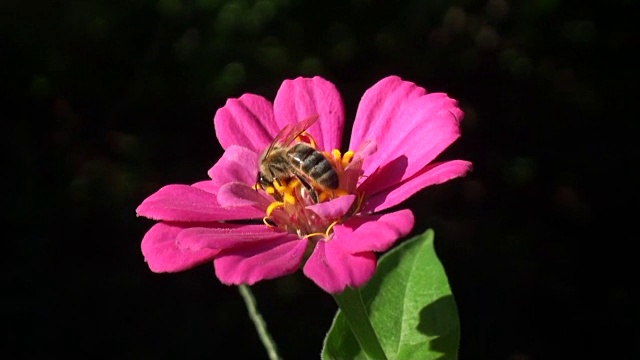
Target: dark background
[(107, 101)]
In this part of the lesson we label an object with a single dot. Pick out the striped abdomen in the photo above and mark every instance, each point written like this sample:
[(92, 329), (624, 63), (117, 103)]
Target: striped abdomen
[(314, 165)]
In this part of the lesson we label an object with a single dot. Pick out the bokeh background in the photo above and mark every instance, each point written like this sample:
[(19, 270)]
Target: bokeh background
[(108, 101)]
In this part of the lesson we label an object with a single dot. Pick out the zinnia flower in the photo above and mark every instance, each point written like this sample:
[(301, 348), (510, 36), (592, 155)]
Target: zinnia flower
[(254, 233)]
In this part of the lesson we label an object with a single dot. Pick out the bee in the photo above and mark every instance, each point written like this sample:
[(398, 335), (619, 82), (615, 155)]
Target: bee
[(284, 160)]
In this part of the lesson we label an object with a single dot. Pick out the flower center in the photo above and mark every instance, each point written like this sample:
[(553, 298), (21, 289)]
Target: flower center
[(304, 206)]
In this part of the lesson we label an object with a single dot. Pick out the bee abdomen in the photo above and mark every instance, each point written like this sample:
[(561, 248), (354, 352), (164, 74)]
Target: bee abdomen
[(315, 165), (329, 179)]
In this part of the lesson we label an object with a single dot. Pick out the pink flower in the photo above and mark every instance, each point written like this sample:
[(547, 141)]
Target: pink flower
[(398, 132)]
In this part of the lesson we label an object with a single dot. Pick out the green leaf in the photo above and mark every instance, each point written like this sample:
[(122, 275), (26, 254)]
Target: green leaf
[(410, 306)]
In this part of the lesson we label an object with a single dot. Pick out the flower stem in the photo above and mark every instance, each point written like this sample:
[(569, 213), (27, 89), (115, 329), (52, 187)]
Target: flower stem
[(352, 306), (258, 321)]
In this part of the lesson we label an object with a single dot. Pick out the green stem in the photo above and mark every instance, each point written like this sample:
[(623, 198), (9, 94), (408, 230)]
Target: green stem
[(258, 322), (352, 306)]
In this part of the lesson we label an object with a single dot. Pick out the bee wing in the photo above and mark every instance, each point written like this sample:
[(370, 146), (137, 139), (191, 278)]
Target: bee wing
[(292, 131)]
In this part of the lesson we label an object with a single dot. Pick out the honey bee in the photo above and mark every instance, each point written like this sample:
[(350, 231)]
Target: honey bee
[(283, 160)]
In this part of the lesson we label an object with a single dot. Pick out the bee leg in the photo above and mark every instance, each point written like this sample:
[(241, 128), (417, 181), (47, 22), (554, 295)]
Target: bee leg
[(314, 195), (311, 189)]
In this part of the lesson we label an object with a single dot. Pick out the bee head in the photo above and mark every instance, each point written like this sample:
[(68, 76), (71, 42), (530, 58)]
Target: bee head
[(262, 181)]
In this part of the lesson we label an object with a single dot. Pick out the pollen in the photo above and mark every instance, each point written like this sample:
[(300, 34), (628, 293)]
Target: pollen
[(346, 158), (325, 235), (286, 192), (336, 155), (274, 205)]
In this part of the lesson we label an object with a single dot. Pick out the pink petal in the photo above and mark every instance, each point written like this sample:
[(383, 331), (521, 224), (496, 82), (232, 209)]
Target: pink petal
[(372, 233), (207, 185), (187, 203), (247, 121), (237, 195), (236, 164), (379, 106), (333, 268), (162, 253), (423, 128), (260, 261), (366, 149), (335, 208), (348, 259), (226, 236), (303, 97), (431, 175)]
